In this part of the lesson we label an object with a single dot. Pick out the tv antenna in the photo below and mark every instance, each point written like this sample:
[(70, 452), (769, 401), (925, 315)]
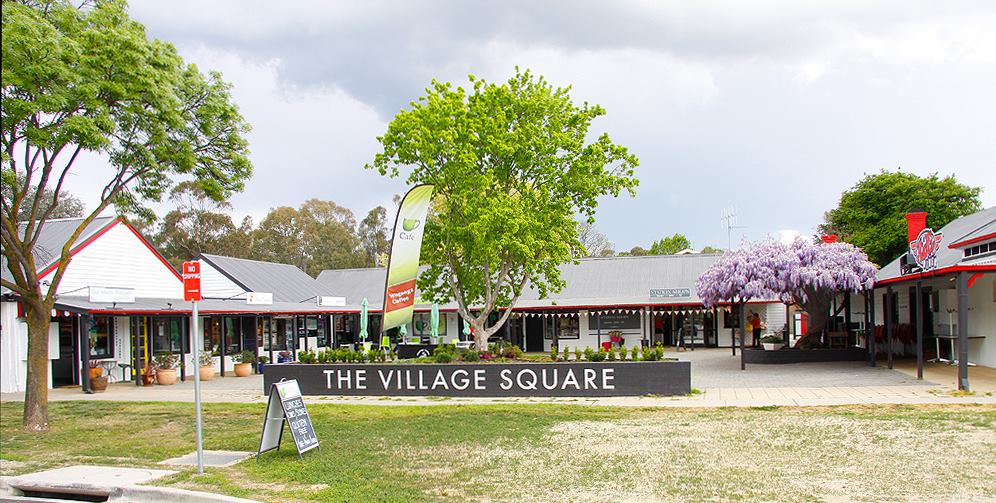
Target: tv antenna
[(729, 219)]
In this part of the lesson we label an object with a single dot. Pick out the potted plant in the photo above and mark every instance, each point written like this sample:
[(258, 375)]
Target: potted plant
[(261, 362), (95, 369), (206, 362), (166, 368), (772, 342), (243, 363), (98, 383)]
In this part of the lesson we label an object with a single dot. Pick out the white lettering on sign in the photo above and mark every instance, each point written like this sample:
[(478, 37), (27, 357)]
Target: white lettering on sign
[(462, 379)]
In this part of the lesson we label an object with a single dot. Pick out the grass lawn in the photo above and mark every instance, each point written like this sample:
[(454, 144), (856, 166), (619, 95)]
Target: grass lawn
[(542, 452)]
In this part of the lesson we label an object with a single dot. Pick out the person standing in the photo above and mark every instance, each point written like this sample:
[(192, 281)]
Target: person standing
[(755, 323)]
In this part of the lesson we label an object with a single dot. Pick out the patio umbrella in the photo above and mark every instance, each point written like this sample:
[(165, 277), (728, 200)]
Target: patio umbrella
[(434, 322), (403, 331), (363, 319)]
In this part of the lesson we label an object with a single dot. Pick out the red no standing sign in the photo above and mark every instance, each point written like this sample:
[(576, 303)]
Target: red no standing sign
[(192, 281)]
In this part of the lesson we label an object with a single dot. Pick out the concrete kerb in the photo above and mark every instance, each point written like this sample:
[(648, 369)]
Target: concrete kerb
[(53, 483)]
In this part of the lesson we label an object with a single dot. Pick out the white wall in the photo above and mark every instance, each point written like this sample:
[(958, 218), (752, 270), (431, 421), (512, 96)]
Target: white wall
[(118, 258), (13, 349)]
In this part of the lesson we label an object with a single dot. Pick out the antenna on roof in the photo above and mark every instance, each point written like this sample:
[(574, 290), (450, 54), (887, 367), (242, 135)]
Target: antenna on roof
[(729, 219)]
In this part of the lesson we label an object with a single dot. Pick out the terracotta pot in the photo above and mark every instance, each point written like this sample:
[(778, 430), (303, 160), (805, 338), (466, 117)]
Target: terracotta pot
[(96, 372), (243, 369), (98, 384), (166, 376), (148, 379), (207, 373)]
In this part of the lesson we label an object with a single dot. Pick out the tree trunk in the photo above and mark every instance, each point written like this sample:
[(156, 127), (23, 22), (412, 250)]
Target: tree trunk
[(480, 334), (36, 391), (817, 307)]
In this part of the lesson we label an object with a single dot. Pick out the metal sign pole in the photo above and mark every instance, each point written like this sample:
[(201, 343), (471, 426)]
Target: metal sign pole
[(197, 388)]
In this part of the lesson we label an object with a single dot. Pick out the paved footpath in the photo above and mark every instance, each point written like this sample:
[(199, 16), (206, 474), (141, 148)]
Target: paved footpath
[(715, 373)]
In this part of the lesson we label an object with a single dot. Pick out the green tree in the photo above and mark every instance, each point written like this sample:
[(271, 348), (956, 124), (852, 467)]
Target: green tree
[(636, 251), (89, 80), (710, 249), (319, 235), (669, 245), (374, 236), (199, 224), (512, 166), (871, 214)]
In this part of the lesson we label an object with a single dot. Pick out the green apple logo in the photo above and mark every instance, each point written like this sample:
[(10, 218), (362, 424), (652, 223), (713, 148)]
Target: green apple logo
[(410, 224)]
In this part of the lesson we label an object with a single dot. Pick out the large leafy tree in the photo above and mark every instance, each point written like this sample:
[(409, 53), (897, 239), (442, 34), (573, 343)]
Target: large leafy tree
[(374, 236), (199, 224), (669, 245), (871, 214), (90, 80), (512, 165), (318, 235)]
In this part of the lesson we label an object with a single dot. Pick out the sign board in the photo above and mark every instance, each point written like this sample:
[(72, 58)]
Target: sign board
[(617, 321), (571, 379), (103, 294), (191, 281), (325, 300), (259, 298), (286, 404), (670, 292), (924, 249)]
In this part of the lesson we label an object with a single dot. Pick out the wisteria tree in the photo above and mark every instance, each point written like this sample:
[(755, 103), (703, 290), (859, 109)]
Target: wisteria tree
[(759, 270), (821, 272), (809, 274)]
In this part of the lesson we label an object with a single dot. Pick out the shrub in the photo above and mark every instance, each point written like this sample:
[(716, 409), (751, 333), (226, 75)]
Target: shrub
[(325, 356), (588, 353), (634, 354), (263, 359), (245, 357), (373, 355), (577, 353), (444, 348), (553, 353), (471, 356), (206, 360), (443, 357), (598, 356), (622, 353), (166, 361), (303, 357), (612, 354), (392, 355), (512, 351), (565, 353)]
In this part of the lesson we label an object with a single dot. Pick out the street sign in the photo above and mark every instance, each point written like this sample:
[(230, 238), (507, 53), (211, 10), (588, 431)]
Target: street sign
[(285, 404), (192, 281)]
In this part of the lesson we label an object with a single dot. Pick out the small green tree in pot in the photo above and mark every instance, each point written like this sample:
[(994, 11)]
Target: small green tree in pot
[(206, 363), (166, 368), (243, 363)]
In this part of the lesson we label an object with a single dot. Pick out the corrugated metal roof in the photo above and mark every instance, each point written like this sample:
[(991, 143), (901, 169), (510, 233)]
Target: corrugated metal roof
[(960, 229), (608, 281), (53, 236), (286, 282)]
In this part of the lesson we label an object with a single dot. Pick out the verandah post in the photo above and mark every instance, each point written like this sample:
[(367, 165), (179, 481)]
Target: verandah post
[(963, 331)]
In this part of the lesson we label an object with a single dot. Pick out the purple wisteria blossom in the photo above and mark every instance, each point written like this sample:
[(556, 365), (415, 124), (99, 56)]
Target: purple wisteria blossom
[(807, 273)]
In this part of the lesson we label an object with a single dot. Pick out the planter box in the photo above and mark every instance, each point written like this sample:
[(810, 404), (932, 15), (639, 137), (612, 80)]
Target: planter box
[(773, 346), (575, 379)]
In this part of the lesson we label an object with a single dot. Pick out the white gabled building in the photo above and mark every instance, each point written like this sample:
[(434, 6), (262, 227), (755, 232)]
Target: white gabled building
[(109, 254)]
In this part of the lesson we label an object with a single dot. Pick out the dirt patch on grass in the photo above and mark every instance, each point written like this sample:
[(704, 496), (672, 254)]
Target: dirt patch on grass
[(777, 455)]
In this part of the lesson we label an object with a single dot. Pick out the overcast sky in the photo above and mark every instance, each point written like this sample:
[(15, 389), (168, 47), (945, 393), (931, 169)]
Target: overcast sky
[(770, 107)]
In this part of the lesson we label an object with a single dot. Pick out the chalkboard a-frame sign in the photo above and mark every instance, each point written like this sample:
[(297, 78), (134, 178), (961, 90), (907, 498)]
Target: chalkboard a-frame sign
[(285, 404)]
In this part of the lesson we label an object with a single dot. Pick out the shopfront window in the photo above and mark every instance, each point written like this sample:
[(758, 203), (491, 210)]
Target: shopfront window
[(166, 335), (233, 335), (263, 333), (101, 337), (422, 323), (344, 327), (568, 327), (212, 335), (322, 331)]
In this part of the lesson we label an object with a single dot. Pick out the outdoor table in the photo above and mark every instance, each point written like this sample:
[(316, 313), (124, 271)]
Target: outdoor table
[(951, 339)]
